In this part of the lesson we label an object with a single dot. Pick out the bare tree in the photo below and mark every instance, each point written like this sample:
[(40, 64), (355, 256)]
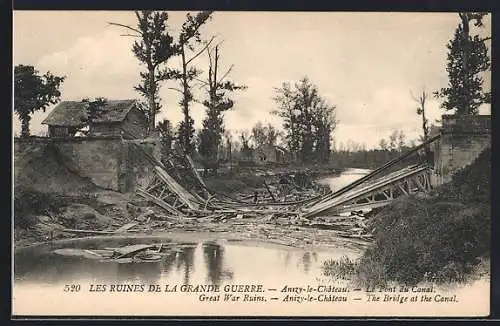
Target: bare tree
[(219, 88), (393, 139), (153, 48), (189, 38), (421, 100), (383, 144), (401, 140)]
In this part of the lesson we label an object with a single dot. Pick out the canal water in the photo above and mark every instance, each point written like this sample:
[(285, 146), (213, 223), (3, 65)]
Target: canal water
[(208, 261), (345, 178)]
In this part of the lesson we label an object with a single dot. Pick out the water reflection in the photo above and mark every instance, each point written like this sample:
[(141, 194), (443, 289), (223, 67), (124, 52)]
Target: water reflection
[(185, 258), (288, 255), (306, 262), (214, 260), (142, 272), (186, 263)]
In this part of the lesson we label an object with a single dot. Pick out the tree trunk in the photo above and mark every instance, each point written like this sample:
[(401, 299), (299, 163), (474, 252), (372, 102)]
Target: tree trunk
[(185, 102), (466, 54), (424, 122), (151, 99), (25, 125)]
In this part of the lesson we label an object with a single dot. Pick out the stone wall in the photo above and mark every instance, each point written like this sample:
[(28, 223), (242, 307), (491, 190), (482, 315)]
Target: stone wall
[(137, 170), (108, 162), (462, 140), (135, 124)]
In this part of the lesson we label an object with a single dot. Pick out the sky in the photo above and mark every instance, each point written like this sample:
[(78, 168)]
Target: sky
[(366, 64)]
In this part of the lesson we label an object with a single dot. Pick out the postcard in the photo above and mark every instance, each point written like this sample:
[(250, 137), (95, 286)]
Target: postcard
[(220, 163)]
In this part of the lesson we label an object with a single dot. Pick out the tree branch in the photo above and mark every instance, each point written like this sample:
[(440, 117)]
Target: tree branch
[(175, 89), (193, 32), (201, 51), (227, 73), (125, 26), (200, 80)]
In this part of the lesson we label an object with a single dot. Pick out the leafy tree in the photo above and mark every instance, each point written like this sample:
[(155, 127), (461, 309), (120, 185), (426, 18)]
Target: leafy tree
[(94, 107), (383, 144), (259, 134), (153, 49), (421, 100), (324, 123), (33, 92), (401, 140), (308, 119), (285, 98), (94, 110), (189, 38), (246, 148), (218, 89), (393, 140), (265, 134), (467, 60)]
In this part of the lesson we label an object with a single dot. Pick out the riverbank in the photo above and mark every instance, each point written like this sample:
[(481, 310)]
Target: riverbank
[(441, 238), (248, 179), (42, 217), (115, 214)]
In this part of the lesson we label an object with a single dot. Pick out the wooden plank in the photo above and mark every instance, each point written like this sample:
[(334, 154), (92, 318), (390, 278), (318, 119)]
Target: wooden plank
[(87, 231), (419, 184), (159, 202), (132, 250), (269, 190), (125, 227), (198, 176), (176, 188)]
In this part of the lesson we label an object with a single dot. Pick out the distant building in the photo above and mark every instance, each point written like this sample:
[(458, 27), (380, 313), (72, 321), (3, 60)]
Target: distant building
[(117, 118), (266, 154)]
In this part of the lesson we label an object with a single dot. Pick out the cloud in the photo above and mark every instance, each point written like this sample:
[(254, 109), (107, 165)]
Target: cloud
[(107, 53)]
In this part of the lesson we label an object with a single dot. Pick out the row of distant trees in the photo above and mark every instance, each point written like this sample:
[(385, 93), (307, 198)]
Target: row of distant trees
[(308, 119)]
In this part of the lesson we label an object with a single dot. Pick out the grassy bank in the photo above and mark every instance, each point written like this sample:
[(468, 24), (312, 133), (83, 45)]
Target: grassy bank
[(251, 177), (231, 183), (442, 238)]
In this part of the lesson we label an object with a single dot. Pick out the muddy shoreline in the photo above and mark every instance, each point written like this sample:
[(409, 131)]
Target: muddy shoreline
[(293, 237)]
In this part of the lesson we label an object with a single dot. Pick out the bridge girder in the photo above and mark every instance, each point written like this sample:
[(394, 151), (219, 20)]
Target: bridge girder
[(416, 183)]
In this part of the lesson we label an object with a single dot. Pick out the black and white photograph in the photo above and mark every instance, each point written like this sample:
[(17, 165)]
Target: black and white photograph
[(251, 163)]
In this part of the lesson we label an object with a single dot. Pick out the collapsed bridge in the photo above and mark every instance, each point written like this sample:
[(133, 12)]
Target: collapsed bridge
[(376, 189)]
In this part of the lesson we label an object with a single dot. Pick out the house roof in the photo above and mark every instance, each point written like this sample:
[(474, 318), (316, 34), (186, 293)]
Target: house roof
[(115, 111), (67, 113), (268, 147), (434, 130), (74, 113)]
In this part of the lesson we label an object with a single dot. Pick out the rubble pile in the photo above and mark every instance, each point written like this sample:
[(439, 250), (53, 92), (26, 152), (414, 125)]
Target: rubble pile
[(270, 213)]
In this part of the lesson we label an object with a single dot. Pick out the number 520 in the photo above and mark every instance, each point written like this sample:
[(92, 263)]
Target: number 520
[(72, 287)]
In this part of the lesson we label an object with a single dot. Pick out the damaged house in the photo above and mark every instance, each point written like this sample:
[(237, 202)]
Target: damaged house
[(115, 118), (266, 154)]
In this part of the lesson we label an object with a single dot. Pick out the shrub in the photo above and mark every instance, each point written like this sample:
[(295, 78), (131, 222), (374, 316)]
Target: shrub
[(231, 183), (28, 202), (423, 240), (343, 268), (441, 238)]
